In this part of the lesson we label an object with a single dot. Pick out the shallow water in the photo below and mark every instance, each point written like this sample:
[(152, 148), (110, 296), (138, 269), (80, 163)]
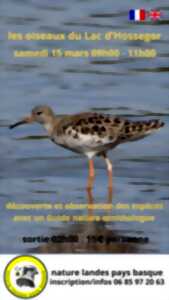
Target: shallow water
[(33, 170)]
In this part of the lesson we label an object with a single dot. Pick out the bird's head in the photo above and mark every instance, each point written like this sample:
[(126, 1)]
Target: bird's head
[(41, 114)]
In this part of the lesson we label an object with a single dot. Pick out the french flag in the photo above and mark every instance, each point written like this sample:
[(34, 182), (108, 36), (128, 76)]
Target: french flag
[(137, 14)]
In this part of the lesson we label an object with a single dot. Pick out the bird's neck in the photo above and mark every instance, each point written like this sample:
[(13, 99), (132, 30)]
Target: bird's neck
[(50, 124), (49, 127)]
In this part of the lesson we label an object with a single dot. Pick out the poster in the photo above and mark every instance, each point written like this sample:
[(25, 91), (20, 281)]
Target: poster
[(84, 167)]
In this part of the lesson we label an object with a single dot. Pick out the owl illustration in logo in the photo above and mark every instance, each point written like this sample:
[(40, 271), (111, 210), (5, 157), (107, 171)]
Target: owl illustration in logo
[(26, 276)]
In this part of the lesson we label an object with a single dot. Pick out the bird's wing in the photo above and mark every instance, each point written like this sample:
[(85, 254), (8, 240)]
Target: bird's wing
[(133, 131)]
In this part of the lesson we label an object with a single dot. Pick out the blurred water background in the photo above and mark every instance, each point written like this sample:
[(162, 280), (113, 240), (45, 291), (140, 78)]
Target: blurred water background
[(34, 170)]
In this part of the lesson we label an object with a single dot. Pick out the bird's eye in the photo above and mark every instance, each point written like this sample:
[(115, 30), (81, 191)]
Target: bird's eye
[(39, 113)]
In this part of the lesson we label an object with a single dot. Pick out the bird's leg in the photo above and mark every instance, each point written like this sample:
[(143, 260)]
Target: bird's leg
[(91, 175), (109, 170), (90, 201)]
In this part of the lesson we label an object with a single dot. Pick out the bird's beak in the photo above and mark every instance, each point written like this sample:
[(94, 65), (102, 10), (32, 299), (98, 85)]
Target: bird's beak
[(26, 120)]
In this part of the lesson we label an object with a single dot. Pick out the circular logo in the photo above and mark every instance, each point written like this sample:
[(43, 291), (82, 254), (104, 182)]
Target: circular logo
[(25, 276)]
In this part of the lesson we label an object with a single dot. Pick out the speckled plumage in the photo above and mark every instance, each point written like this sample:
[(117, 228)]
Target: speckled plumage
[(93, 133)]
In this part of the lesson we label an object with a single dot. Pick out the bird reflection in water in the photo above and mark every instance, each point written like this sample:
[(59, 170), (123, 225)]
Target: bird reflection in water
[(92, 236)]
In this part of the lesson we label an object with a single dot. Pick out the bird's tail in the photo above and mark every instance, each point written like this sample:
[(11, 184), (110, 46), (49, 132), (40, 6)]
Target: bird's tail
[(133, 131)]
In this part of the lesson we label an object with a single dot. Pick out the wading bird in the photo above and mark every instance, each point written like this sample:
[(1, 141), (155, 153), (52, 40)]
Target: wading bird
[(90, 133)]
